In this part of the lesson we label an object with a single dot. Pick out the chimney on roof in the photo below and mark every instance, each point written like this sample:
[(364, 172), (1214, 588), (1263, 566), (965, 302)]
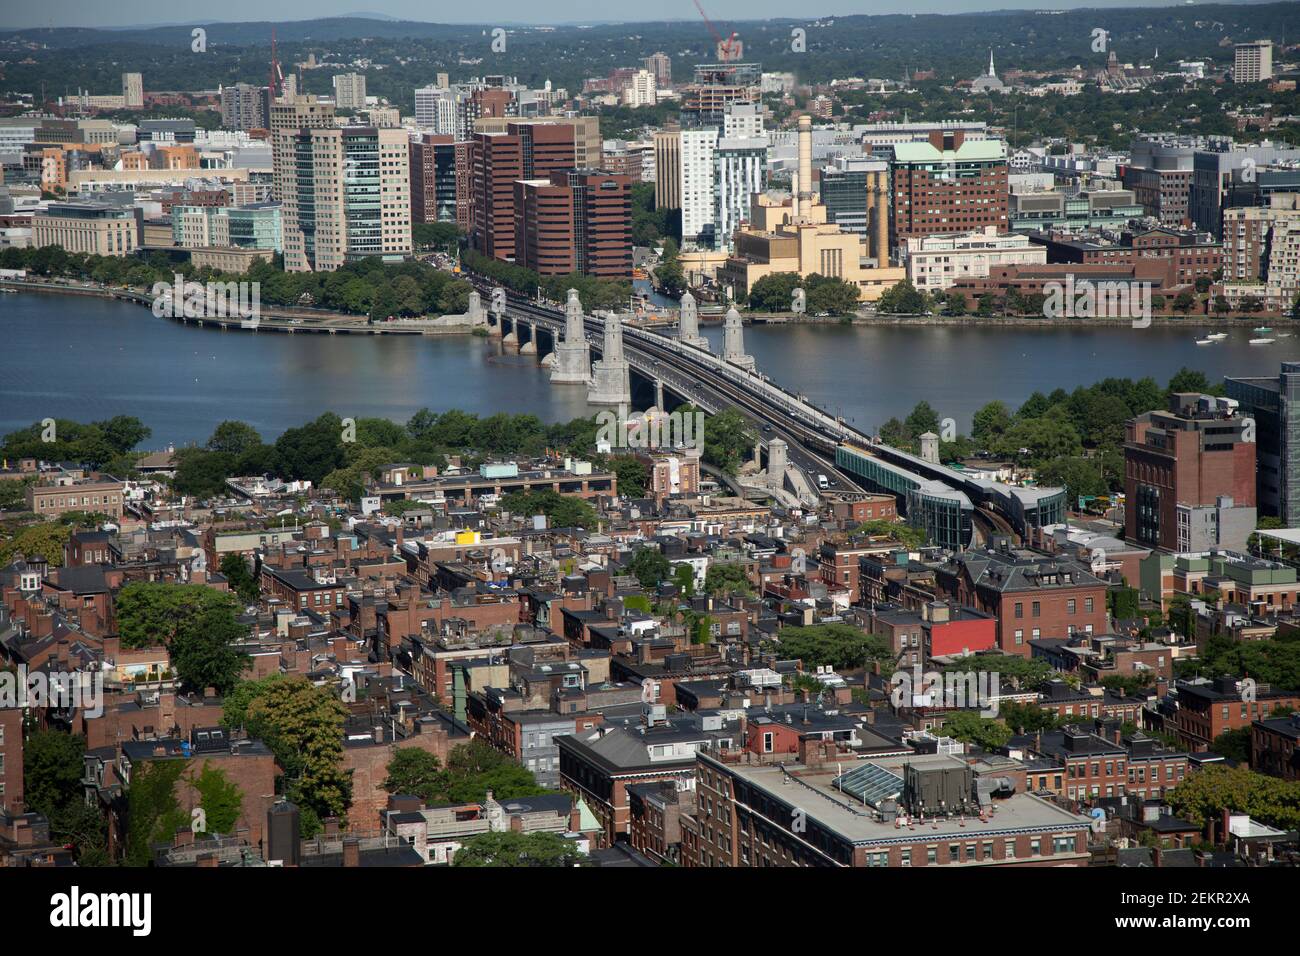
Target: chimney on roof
[(351, 852)]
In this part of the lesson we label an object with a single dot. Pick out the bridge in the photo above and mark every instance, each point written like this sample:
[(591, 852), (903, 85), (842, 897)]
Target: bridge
[(954, 509)]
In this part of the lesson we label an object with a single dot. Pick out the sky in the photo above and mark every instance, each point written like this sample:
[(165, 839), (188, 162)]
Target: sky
[(17, 14)]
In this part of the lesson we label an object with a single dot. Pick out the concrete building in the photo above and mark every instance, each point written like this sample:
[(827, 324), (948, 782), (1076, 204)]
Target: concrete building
[(92, 495), (934, 263), (740, 173), (668, 169), (289, 115), (254, 227), (1252, 62), (348, 197), (349, 91), (641, 91), (92, 228), (132, 91), (1261, 252), (245, 106), (1189, 476), (1215, 170), (697, 177), (661, 65), (435, 110), (1160, 175), (948, 184), (793, 235), (1274, 404)]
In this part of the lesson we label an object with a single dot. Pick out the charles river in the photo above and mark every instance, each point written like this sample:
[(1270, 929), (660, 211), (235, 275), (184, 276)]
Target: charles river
[(86, 359)]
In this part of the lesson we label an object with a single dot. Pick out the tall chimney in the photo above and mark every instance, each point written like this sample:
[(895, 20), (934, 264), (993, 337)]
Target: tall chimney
[(794, 197), (805, 161)]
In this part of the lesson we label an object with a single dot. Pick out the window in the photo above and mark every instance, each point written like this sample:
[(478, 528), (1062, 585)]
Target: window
[(1087, 605), (1035, 847), (1070, 606), (1009, 849), (931, 855), (1037, 609)]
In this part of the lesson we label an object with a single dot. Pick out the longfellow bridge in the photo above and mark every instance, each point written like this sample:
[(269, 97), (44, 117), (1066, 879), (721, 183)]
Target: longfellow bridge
[(661, 368)]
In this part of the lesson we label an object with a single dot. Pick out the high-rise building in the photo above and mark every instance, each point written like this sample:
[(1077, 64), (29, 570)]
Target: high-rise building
[(641, 90), (523, 151), (588, 144), (1273, 403), (433, 179), (348, 197), (288, 116), (132, 91), (740, 172), (1253, 62), (1189, 476), (577, 220), (1260, 251), (661, 65), (350, 91), (948, 184), (435, 110), (699, 209), (668, 169), (244, 106)]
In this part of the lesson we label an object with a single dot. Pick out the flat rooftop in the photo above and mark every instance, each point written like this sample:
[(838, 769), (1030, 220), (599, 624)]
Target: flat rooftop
[(811, 791)]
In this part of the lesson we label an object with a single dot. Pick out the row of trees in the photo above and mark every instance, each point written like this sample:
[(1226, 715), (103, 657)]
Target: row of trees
[(369, 287), (829, 295), (1073, 438), (595, 293)]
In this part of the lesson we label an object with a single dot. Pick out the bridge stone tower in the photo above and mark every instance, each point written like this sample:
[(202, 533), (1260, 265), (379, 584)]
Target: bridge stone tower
[(776, 463), (689, 330), (733, 342), (610, 377), (572, 353), (474, 311)]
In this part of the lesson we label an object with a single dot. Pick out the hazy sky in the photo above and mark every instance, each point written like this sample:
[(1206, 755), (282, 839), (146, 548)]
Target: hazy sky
[(27, 13)]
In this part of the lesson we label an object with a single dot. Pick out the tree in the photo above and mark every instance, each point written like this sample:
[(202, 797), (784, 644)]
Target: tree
[(989, 423), (1184, 301), (415, 772), (904, 534), (836, 645), (221, 799), (726, 578), (901, 299), (52, 768), (303, 726), (632, 475), (234, 438), (922, 419), (518, 849), (196, 624), (969, 726), (727, 438), (650, 567), (1233, 744), (1204, 795), (235, 568), (560, 510), (46, 540)]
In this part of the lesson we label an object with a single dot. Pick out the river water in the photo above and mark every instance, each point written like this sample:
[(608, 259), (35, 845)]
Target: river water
[(86, 359)]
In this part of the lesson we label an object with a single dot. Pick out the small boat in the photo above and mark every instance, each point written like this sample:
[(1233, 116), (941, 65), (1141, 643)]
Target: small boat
[(1205, 341), (1261, 329), (1217, 336), (1261, 341)]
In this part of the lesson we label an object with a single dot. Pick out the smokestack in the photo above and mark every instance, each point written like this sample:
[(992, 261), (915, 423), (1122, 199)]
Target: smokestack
[(805, 160), (794, 197)]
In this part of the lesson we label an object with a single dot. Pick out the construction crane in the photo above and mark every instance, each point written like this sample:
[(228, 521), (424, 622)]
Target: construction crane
[(276, 83), (728, 48)]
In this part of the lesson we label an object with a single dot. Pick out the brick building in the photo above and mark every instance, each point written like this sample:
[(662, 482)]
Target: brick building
[(1189, 476), (1031, 595), (948, 184)]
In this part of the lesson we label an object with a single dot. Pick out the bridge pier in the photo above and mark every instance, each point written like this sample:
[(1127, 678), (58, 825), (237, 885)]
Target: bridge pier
[(572, 353), (611, 382)]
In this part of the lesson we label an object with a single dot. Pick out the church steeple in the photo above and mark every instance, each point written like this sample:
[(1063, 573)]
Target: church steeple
[(991, 73)]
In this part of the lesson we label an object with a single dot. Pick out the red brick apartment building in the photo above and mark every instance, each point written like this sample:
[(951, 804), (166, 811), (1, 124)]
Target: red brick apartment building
[(11, 761), (1273, 747), (1031, 595), (828, 810), (1209, 708), (1178, 466)]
